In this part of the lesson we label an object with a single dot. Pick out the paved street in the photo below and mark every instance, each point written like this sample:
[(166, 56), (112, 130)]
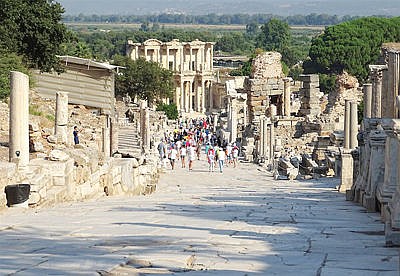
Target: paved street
[(241, 222)]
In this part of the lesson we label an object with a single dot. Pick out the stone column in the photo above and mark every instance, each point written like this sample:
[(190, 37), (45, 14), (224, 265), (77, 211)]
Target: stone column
[(182, 101), (203, 97), (271, 143), (346, 144), (367, 90), (19, 119), (286, 97), (233, 120), (114, 129), (353, 125), (61, 124), (187, 96), (145, 124), (376, 76), (210, 99), (215, 122), (376, 169), (262, 134), (393, 80), (190, 96), (265, 137), (273, 111), (198, 97)]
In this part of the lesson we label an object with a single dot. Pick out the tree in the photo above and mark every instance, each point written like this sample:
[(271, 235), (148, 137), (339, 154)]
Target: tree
[(145, 79), (33, 29), (9, 62), (351, 46), (275, 35)]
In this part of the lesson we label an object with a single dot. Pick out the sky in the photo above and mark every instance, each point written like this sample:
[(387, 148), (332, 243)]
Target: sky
[(196, 7)]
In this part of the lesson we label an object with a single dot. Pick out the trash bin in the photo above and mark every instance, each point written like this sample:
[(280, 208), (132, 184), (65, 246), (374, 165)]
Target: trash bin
[(17, 194)]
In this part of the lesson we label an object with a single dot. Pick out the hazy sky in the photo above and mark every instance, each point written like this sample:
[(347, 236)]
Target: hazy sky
[(279, 7)]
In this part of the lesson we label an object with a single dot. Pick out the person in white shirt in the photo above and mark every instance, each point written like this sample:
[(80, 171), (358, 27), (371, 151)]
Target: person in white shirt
[(183, 155), (221, 159), (172, 156), (191, 156)]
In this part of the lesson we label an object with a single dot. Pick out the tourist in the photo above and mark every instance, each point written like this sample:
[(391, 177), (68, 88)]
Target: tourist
[(162, 153), (172, 156), (221, 159), (211, 159), (76, 135), (235, 155), (191, 156), (183, 152)]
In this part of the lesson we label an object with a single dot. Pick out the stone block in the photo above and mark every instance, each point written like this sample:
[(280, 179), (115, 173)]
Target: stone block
[(369, 202), (309, 78)]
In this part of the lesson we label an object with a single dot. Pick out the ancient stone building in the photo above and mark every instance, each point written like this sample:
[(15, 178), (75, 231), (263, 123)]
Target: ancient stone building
[(192, 63)]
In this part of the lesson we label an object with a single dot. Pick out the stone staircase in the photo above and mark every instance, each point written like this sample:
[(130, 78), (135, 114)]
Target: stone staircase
[(129, 141)]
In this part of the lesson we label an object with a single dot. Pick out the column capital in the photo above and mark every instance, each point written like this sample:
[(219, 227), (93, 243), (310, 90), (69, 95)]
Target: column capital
[(376, 71), (287, 79)]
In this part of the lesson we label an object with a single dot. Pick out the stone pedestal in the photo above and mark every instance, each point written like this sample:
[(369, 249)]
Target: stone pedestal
[(61, 124), (346, 176), (19, 119), (265, 123), (376, 169)]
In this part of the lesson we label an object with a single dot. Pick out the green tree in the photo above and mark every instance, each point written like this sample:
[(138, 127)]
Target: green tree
[(275, 35), (33, 29), (351, 46), (9, 62), (170, 110), (147, 80)]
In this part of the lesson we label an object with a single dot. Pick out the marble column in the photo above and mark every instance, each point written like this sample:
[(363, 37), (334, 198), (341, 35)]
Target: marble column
[(376, 169), (203, 97), (210, 99), (346, 144), (273, 110), (215, 123), (183, 93), (264, 141), (286, 97), (262, 134), (233, 120), (376, 77), (198, 96), (19, 119), (353, 125), (393, 74), (114, 129), (190, 96), (271, 143), (145, 124), (61, 118), (367, 90)]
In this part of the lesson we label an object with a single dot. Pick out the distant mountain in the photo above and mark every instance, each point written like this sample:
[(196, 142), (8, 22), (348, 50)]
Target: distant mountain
[(197, 7)]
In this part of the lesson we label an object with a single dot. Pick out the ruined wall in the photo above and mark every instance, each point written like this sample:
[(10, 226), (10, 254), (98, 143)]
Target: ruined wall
[(264, 83)]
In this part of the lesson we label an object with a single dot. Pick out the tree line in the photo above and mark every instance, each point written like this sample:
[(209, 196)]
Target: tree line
[(212, 19)]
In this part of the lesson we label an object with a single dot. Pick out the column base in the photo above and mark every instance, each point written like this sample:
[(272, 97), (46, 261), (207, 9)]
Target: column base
[(369, 202), (350, 194), (392, 236)]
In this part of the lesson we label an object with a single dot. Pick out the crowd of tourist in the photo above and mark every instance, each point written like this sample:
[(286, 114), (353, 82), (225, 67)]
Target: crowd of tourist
[(192, 138)]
